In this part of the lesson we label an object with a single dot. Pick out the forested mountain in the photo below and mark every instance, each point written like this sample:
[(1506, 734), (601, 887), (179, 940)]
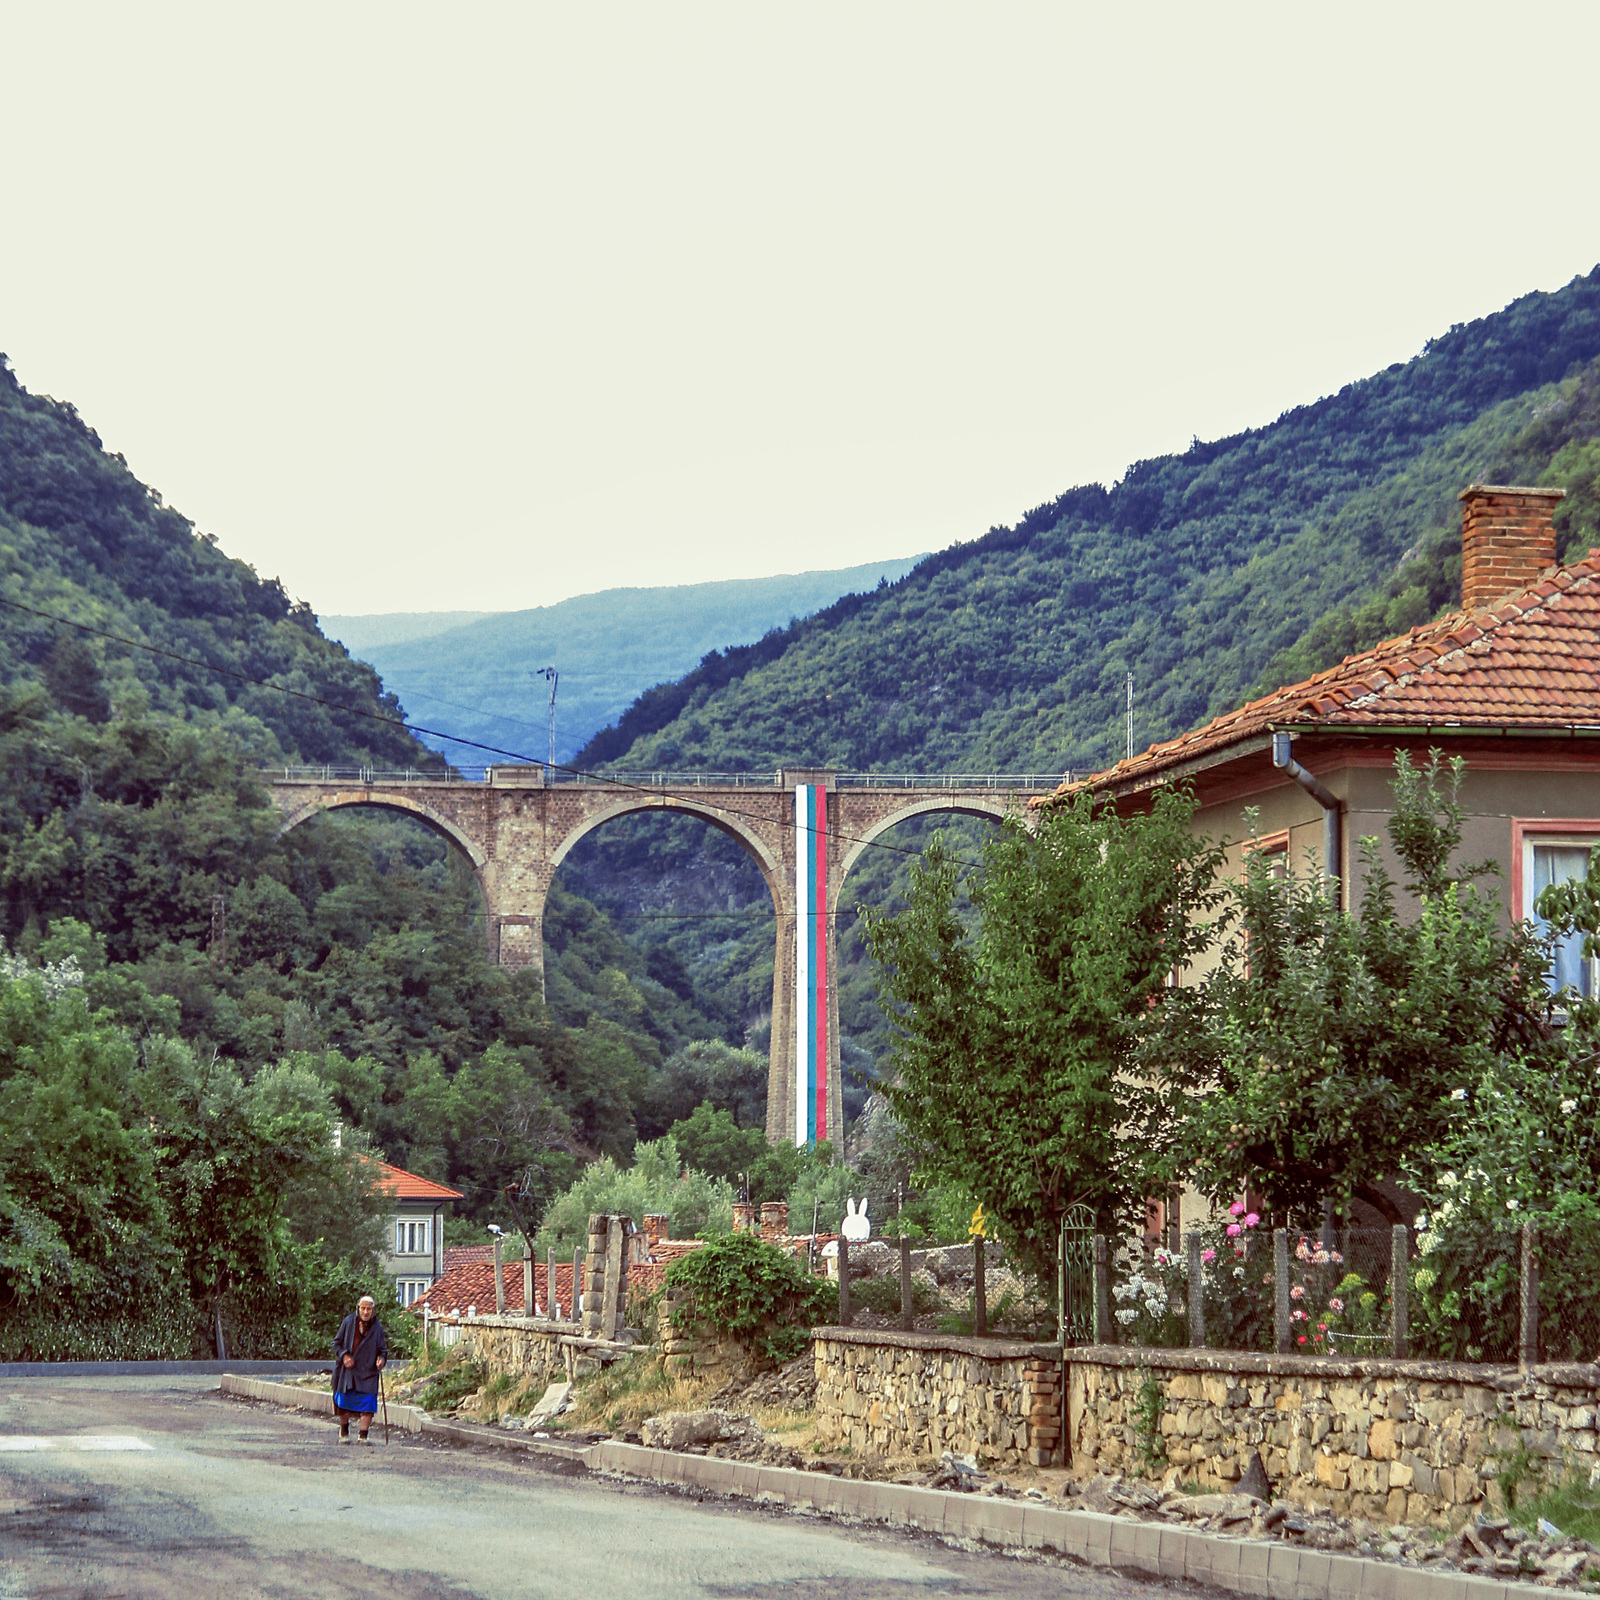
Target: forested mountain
[(354, 945), (1196, 572), (477, 679)]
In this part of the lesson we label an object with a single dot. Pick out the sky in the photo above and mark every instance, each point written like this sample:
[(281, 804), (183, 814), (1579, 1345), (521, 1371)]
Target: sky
[(426, 308)]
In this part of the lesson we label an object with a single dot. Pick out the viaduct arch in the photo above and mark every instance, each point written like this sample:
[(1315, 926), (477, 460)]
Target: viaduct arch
[(804, 828)]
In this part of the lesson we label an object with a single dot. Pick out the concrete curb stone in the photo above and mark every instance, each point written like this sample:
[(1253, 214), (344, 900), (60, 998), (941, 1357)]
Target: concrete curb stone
[(1273, 1570)]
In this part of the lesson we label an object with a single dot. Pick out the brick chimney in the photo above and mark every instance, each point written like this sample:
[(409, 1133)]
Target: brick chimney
[(1508, 537)]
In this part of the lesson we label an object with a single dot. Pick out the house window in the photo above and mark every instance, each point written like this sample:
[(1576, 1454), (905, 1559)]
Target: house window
[(410, 1238), (410, 1290), (1547, 861)]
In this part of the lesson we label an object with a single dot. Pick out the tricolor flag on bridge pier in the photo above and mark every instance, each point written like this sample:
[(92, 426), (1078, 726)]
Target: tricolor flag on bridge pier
[(811, 963)]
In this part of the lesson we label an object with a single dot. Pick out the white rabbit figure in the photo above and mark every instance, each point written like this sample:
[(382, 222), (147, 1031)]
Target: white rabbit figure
[(855, 1226)]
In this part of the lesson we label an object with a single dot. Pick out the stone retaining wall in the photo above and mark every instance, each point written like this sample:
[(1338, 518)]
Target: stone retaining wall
[(898, 1394), (1395, 1441), (523, 1346)]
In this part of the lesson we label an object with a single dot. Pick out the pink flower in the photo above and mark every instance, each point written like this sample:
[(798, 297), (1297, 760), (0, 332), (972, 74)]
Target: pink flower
[(1297, 1292), (1208, 1255), (1236, 1209), (1336, 1304), (1251, 1220), (1234, 1230), (1322, 1327), (1333, 1255), (1297, 1316), (1302, 1338)]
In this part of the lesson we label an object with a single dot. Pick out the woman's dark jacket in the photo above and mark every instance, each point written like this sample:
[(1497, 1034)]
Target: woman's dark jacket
[(362, 1378)]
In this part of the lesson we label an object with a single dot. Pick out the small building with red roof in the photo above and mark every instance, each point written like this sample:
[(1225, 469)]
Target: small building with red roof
[(413, 1230)]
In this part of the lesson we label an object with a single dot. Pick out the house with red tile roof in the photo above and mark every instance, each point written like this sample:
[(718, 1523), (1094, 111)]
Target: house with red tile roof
[(414, 1249), (1510, 682)]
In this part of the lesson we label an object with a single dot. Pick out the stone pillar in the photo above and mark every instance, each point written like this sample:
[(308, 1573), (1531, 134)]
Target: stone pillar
[(1528, 1342), (744, 1217), (774, 1220), (657, 1226), (594, 1281), (550, 1282), (499, 1281), (530, 1301), (614, 1298)]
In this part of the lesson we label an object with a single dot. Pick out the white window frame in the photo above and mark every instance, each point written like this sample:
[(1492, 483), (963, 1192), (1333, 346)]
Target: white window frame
[(402, 1238), (1569, 835)]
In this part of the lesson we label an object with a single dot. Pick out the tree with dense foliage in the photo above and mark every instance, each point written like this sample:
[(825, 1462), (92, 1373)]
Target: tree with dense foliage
[(1014, 1052), (1318, 1059)]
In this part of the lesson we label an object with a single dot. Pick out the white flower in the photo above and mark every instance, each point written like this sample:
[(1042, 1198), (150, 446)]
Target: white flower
[(1125, 1317), (1458, 1094), (1511, 1205), (1448, 1180), (1422, 1219), (1568, 1107)]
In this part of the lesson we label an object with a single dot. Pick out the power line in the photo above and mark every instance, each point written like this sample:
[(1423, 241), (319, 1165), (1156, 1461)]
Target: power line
[(416, 728)]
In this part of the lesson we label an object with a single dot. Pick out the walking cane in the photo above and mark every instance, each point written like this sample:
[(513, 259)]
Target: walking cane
[(385, 1399)]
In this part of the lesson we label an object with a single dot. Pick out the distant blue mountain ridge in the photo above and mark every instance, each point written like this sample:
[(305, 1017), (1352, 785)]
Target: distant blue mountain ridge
[(473, 674)]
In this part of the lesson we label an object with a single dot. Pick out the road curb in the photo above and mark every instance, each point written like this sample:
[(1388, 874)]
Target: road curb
[(1260, 1567), (147, 1369)]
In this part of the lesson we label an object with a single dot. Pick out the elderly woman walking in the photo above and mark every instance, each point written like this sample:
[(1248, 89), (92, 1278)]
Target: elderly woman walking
[(359, 1352)]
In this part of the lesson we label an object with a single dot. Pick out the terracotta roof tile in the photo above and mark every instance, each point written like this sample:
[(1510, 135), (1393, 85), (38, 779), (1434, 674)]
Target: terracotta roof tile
[(403, 1185), (1531, 661)]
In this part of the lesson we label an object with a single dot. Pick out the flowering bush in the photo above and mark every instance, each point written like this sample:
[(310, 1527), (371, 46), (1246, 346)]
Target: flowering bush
[(1150, 1303)]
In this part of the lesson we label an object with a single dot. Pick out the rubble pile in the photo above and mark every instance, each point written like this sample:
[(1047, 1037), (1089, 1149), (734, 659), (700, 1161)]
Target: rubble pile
[(791, 1387), (1488, 1546), (715, 1432)]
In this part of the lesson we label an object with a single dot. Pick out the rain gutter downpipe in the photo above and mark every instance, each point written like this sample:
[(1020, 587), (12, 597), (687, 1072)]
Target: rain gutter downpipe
[(1326, 798)]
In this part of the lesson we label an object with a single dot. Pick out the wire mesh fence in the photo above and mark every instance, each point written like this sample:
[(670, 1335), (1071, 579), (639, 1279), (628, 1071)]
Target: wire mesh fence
[(1502, 1296)]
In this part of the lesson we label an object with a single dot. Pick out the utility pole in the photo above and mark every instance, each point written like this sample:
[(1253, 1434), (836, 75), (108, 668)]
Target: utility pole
[(553, 678), (1130, 716)]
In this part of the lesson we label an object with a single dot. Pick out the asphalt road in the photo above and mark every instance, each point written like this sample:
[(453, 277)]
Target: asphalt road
[(160, 1487)]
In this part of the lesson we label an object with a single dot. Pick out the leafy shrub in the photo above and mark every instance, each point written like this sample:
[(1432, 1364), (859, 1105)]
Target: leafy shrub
[(753, 1293), (882, 1295)]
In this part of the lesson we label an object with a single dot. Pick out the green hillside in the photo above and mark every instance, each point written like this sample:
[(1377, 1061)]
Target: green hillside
[(1195, 572), (477, 681), (354, 945)]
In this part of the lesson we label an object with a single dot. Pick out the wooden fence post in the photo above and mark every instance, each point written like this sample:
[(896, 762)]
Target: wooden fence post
[(907, 1317), (1528, 1340), (1399, 1282), (1280, 1291), (980, 1290), (1197, 1292), (1102, 1291)]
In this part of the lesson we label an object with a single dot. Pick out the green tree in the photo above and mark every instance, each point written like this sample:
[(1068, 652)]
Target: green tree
[(1015, 1048), (1319, 1058)]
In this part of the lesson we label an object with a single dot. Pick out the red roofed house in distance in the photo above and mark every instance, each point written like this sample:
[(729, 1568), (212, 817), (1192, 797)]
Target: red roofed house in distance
[(414, 1243)]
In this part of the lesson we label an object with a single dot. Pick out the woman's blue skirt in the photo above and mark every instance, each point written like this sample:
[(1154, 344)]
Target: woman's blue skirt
[(356, 1402)]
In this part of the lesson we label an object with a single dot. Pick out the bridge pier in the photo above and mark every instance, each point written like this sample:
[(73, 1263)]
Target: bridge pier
[(803, 828)]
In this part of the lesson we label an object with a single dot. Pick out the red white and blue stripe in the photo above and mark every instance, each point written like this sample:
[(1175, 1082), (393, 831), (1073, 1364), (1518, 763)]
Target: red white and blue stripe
[(811, 963)]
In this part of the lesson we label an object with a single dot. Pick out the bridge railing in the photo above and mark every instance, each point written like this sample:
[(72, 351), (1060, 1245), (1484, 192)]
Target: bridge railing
[(1038, 782), (368, 775)]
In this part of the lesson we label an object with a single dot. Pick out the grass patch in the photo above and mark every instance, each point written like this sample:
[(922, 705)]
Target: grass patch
[(455, 1382), (1573, 1507), (619, 1397)]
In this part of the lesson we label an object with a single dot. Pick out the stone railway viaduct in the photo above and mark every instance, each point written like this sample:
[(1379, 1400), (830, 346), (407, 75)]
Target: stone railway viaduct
[(516, 828)]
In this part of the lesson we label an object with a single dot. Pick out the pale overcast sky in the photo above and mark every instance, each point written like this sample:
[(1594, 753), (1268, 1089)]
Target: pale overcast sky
[(482, 306)]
